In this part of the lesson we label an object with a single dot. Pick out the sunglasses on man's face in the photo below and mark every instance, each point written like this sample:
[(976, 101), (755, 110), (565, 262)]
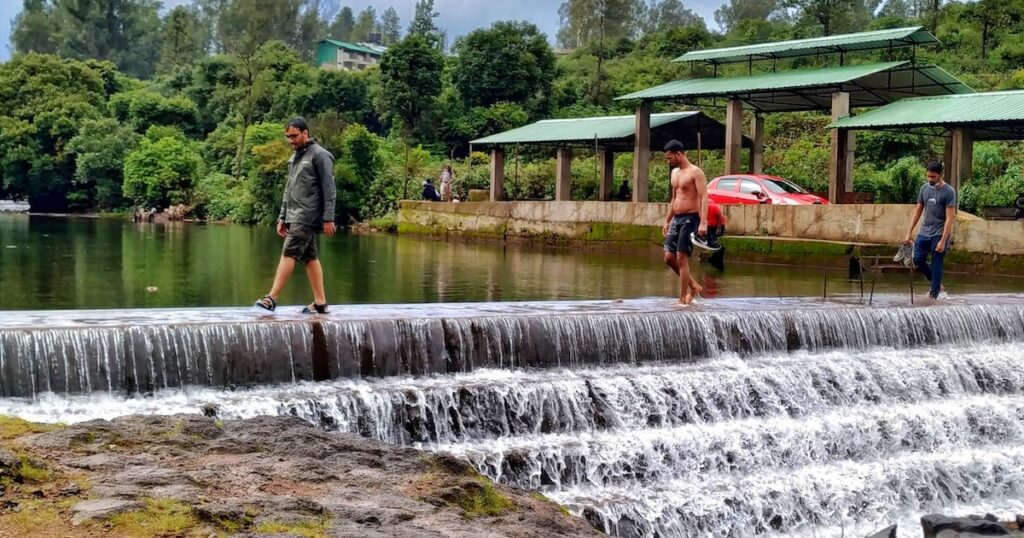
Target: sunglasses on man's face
[(291, 136)]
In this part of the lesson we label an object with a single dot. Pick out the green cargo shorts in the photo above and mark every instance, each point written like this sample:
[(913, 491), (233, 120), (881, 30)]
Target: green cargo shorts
[(300, 243)]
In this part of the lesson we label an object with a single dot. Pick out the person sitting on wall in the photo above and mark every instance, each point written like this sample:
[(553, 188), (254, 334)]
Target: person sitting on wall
[(429, 192), (624, 193)]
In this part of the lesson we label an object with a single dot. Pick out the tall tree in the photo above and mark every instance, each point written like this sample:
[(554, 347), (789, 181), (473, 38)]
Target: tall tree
[(730, 14), (584, 21), (209, 15), (183, 39), (410, 78), (991, 16), (663, 15), (34, 29), (899, 9), (366, 24), (310, 30), (834, 16), (510, 61), (390, 27), (423, 20), (247, 24), (343, 24)]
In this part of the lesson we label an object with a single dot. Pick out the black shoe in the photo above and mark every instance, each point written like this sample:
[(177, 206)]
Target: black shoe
[(315, 309), (267, 303)]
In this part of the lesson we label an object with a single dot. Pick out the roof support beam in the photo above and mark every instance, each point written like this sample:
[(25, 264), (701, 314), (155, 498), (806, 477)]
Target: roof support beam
[(606, 164), (563, 179), (642, 152), (840, 169), (497, 174), (757, 145), (733, 136), (963, 157)]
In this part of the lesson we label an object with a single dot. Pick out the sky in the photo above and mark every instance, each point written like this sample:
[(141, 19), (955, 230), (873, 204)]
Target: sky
[(458, 17)]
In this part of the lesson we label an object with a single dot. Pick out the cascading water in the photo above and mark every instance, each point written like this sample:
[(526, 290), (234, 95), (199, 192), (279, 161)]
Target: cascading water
[(764, 419)]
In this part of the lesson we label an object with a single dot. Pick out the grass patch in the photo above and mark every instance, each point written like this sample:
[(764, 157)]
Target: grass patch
[(30, 519), (314, 528), (483, 500), (31, 474), (12, 428), (386, 223), (542, 498), (160, 517)]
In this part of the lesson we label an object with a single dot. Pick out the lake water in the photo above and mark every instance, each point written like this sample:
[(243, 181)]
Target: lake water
[(69, 263)]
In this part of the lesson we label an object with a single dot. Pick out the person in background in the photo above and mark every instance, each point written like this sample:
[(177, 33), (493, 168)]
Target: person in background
[(307, 208), (429, 191), (624, 193), (937, 202), (446, 179)]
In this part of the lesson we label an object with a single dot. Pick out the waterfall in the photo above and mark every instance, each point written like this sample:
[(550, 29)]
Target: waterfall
[(161, 353), (800, 419)]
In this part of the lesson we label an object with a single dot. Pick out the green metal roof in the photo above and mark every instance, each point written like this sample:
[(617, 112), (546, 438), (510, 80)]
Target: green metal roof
[(877, 39), (352, 47), (992, 115), (811, 89), (614, 132)]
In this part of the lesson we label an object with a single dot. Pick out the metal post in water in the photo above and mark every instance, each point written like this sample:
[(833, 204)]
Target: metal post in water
[(860, 273), (911, 286), (871, 299), (778, 289), (824, 292)]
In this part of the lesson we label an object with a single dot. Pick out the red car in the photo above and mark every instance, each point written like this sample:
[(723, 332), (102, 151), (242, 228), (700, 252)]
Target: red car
[(759, 189)]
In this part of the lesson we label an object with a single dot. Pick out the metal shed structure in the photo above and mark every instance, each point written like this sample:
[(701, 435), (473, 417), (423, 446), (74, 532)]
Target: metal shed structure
[(607, 135), (960, 119), (837, 89)]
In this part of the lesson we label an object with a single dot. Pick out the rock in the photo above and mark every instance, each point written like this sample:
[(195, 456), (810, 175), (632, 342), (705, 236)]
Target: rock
[(210, 410), (933, 524), (1020, 521), (70, 490), (100, 509), (217, 512), (888, 532)]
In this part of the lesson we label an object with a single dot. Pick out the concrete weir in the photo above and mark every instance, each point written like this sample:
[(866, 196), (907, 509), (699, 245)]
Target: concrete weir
[(147, 350)]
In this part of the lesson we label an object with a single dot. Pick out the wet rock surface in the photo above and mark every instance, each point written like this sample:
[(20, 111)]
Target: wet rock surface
[(249, 477), (940, 526)]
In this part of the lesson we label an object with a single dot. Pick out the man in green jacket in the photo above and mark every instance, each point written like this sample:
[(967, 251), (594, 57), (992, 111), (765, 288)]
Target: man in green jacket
[(307, 208)]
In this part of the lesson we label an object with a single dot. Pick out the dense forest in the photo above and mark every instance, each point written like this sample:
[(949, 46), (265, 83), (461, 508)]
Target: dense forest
[(118, 104)]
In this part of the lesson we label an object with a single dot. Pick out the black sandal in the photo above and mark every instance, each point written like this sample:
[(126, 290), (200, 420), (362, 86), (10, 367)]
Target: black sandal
[(267, 303), (315, 309)]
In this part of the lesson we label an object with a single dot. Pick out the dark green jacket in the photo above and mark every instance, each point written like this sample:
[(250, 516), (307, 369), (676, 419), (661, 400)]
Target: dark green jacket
[(310, 195)]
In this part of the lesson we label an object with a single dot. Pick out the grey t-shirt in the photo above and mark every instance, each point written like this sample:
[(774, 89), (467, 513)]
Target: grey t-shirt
[(935, 200)]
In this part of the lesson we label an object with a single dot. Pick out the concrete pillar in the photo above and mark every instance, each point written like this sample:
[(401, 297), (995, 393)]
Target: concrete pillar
[(757, 147), (563, 179), (840, 169), (642, 153), (606, 163), (733, 136), (963, 157), (497, 174)]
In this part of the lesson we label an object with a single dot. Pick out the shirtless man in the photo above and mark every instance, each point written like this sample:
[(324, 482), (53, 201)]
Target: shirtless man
[(687, 214)]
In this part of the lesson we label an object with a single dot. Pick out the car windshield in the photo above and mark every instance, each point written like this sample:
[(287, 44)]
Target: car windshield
[(781, 186)]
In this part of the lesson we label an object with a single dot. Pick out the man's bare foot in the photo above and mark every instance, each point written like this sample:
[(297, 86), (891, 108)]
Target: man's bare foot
[(696, 289)]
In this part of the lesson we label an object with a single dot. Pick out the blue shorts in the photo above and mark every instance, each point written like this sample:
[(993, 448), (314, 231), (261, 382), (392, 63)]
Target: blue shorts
[(678, 238)]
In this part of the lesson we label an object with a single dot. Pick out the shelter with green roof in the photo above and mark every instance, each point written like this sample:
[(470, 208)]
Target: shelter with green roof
[(605, 135), (837, 89), (960, 119)]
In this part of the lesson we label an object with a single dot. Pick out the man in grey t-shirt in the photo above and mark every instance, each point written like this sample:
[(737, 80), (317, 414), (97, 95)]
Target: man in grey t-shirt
[(937, 201)]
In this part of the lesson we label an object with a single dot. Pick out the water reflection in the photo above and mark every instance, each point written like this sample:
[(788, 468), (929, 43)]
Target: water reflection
[(48, 263)]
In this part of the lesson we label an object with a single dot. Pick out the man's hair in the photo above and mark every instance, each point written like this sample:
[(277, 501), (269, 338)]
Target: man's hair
[(674, 146), (299, 123), (934, 166)]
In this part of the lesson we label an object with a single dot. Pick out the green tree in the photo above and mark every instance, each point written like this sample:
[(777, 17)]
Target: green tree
[(34, 28), (183, 39), (46, 101), (511, 61), (423, 22), (366, 24), (410, 80), (161, 173), (126, 32), (390, 27), (142, 109), (343, 25), (662, 15), (584, 21), (358, 168), (834, 16), (733, 12), (311, 28), (344, 92), (100, 149)]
